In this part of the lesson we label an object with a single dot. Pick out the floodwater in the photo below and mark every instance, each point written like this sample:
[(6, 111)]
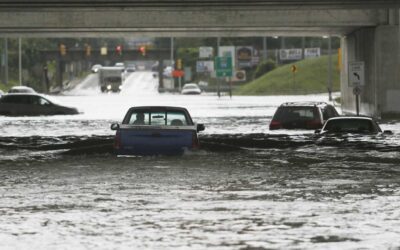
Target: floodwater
[(247, 188)]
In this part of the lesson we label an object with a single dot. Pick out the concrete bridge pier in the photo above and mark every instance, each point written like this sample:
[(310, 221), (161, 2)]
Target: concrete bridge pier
[(378, 47)]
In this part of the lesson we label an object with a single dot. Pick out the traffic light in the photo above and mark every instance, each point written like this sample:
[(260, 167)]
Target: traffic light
[(142, 50), (88, 50), (118, 50), (179, 64), (63, 49)]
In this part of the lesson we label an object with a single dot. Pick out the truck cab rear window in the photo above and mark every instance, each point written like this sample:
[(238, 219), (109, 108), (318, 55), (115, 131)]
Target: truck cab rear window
[(157, 118)]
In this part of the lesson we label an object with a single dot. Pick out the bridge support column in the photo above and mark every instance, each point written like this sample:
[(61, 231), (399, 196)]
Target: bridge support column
[(379, 49)]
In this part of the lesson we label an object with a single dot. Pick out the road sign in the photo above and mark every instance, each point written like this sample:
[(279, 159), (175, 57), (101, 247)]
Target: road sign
[(293, 68), (357, 90), (356, 74), (223, 66)]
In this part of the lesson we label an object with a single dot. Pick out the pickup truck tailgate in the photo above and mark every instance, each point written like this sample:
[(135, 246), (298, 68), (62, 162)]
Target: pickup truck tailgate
[(150, 140)]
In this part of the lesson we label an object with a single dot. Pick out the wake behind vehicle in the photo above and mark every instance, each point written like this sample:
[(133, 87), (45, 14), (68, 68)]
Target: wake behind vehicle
[(302, 115), (156, 130), (31, 104), (351, 124)]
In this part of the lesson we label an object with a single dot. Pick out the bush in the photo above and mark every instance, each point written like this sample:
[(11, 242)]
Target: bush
[(264, 68)]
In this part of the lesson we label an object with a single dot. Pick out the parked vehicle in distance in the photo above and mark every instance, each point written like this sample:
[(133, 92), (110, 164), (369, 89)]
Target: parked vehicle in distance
[(156, 130), (191, 89), (95, 68), (302, 115), (32, 104), (130, 68), (351, 124), (21, 89)]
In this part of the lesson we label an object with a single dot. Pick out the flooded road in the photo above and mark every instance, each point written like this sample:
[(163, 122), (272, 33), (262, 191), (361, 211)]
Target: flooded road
[(248, 188)]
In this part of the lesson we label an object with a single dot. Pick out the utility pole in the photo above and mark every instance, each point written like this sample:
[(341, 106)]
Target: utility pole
[(265, 55), (5, 54), (20, 61), (172, 49), (330, 68), (218, 80)]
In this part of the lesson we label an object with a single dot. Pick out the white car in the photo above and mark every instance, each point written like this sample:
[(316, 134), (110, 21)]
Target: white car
[(191, 89), (96, 67), (21, 89)]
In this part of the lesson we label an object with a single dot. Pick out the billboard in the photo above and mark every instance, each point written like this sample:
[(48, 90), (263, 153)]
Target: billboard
[(206, 52), (244, 55), (290, 54), (205, 66), (312, 52)]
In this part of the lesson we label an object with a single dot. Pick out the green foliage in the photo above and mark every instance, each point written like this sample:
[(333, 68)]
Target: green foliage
[(264, 68), (311, 77)]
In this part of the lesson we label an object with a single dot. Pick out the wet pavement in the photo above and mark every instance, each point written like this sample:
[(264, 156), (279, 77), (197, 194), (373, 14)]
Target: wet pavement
[(247, 188)]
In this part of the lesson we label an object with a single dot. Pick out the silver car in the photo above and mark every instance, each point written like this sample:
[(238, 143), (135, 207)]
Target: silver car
[(29, 104)]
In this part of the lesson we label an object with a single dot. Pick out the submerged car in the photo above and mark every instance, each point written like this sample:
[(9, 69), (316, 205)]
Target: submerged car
[(156, 130), (302, 115), (351, 124), (29, 104), (21, 89), (191, 89)]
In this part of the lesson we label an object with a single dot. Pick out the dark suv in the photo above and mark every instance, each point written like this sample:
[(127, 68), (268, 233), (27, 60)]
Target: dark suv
[(302, 115)]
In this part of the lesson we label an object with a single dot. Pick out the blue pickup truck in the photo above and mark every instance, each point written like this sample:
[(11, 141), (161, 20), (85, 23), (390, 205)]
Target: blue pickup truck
[(156, 130)]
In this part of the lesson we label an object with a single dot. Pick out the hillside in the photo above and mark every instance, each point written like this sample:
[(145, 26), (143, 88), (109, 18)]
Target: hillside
[(311, 77)]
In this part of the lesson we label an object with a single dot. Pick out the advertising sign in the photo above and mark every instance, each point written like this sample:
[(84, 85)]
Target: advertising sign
[(312, 52), (239, 75), (289, 54), (244, 56), (204, 66), (206, 52)]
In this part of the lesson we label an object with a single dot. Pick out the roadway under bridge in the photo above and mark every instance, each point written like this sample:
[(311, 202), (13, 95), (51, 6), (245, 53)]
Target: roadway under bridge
[(369, 30)]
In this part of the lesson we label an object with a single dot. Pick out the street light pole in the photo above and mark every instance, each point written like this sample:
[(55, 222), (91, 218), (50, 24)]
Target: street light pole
[(20, 61), (330, 67)]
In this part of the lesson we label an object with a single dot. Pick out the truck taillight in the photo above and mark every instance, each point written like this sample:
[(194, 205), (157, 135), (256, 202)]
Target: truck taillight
[(195, 141), (117, 140), (275, 124)]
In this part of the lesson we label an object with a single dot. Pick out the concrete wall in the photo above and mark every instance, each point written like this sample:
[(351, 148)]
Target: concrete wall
[(378, 47)]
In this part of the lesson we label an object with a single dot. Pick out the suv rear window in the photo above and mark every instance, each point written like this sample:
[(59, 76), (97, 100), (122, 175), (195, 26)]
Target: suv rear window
[(296, 113)]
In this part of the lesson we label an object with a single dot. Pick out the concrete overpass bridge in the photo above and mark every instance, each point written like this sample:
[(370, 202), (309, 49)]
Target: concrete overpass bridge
[(369, 29)]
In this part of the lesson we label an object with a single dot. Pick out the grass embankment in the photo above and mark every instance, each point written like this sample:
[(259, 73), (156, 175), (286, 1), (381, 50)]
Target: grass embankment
[(311, 77)]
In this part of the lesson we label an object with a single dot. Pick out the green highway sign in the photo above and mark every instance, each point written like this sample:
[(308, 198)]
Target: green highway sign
[(223, 66)]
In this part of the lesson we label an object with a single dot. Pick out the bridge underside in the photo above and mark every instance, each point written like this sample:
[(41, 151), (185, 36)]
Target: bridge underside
[(186, 22)]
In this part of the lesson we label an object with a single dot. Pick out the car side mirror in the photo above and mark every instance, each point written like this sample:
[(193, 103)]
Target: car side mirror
[(388, 132), (200, 127), (114, 126), (317, 131)]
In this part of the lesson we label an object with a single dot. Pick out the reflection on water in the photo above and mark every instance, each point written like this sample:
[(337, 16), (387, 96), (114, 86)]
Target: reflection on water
[(62, 187)]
